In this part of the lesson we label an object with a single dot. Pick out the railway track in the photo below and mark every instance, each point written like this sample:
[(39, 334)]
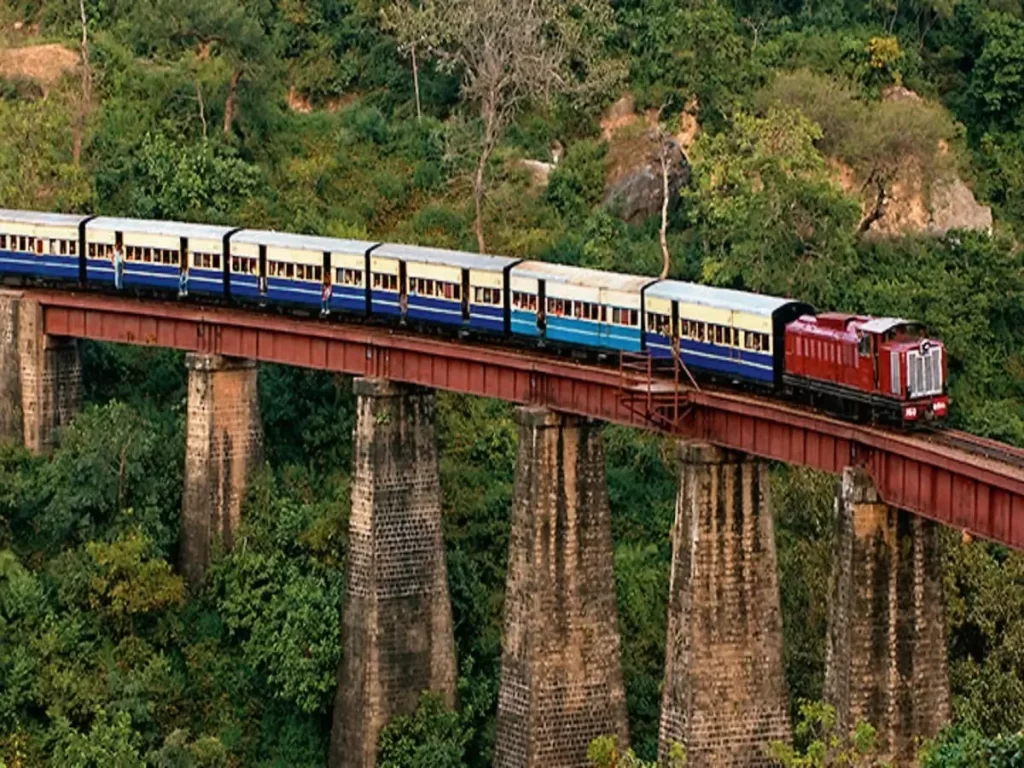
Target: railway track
[(980, 445)]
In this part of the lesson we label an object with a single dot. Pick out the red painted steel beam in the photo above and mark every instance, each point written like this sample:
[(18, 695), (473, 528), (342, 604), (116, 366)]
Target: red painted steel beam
[(951, 485)]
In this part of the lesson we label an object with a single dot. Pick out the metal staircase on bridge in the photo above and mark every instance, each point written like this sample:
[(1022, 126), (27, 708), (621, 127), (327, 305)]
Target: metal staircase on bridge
[(655, 391)]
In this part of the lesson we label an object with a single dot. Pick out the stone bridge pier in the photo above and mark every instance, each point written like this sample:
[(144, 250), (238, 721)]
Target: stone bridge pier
[(223, 445), (725, 693), (886, 657), (396, 623), (40, 375), (561, 679)]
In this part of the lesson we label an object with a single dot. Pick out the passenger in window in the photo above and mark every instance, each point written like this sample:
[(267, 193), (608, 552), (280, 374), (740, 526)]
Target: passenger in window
[(183, 281)]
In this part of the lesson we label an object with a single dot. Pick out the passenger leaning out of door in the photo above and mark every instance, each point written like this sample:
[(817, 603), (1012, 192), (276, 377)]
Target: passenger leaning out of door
[(325, 296), (118, 257)]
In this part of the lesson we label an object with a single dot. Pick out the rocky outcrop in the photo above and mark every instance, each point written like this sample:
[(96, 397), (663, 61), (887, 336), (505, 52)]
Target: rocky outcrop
[(634, 184), (954, 207), (911, 204), (636, 146), (44, 65)]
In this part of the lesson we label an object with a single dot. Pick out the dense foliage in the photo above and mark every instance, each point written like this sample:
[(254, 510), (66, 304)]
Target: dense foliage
[(302, 115)]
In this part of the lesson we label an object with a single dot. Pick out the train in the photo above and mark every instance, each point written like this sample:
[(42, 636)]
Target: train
[(860, 368)]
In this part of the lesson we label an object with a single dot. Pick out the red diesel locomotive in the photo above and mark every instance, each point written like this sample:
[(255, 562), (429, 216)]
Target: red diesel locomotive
[(866, 368)]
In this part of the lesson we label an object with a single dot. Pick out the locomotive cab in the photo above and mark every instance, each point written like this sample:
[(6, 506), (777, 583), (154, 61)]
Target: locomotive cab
[(911, 368)]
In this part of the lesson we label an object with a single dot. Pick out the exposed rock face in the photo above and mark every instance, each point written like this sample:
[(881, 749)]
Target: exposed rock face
[(42, 64), (911, 204), (539, 172), (954, 207), (634, 185)]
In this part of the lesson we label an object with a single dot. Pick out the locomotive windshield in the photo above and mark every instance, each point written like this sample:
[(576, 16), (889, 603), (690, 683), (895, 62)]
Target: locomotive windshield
[(908, 332)]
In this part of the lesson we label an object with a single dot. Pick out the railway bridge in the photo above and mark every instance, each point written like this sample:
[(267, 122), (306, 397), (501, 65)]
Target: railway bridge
[(724, 695)]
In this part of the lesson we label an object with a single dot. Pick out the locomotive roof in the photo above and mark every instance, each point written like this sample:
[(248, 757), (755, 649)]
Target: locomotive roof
[(153, 227), (444, 257), (718, 298), (883, 324), (49, 219), (589, 278), (301, 242)]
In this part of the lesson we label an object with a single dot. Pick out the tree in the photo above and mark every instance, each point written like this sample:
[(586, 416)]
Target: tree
[(229, 32), (432, 737), (768, 213), (880, 141), (110, 742), (86, 95), (603, 752), (417, 25), (822, 747), (511, 52), (961, 747)]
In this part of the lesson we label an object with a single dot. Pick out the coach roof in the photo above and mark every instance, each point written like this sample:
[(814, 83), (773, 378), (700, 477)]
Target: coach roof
[(718, 298), (581, 276), (301, 242), (443, 257), (48, 219), (146, 226)]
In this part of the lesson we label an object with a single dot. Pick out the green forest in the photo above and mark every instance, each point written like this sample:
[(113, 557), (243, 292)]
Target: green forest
[(373, 119)]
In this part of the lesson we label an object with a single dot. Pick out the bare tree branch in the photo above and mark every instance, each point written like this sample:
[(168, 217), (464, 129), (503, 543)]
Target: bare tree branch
[(83, 111), (510, 52)]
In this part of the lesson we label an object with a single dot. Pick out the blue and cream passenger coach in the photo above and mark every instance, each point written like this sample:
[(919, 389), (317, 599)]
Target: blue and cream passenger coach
[(440, 286), (295, 268), (572, 305), (725, 332), (154, 252), (40, 244)]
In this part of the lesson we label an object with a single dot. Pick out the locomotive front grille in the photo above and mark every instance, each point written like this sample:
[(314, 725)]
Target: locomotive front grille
[(924, 372)]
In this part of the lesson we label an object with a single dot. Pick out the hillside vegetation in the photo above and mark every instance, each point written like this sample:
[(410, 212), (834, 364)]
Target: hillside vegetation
[(365, 119)]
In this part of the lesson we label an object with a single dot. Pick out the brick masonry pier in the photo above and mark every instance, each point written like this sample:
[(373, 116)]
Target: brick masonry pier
[(396, 624), (725, 694), (561, 679), (223, 445), (886, 652), (40, 375)]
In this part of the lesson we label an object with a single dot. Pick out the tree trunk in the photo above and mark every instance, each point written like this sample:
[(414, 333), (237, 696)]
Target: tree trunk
[(665, 260), (478, 200), (489, 116), (878, 211), (76, 152), (229, 106), (416, 82), (202, 107)]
